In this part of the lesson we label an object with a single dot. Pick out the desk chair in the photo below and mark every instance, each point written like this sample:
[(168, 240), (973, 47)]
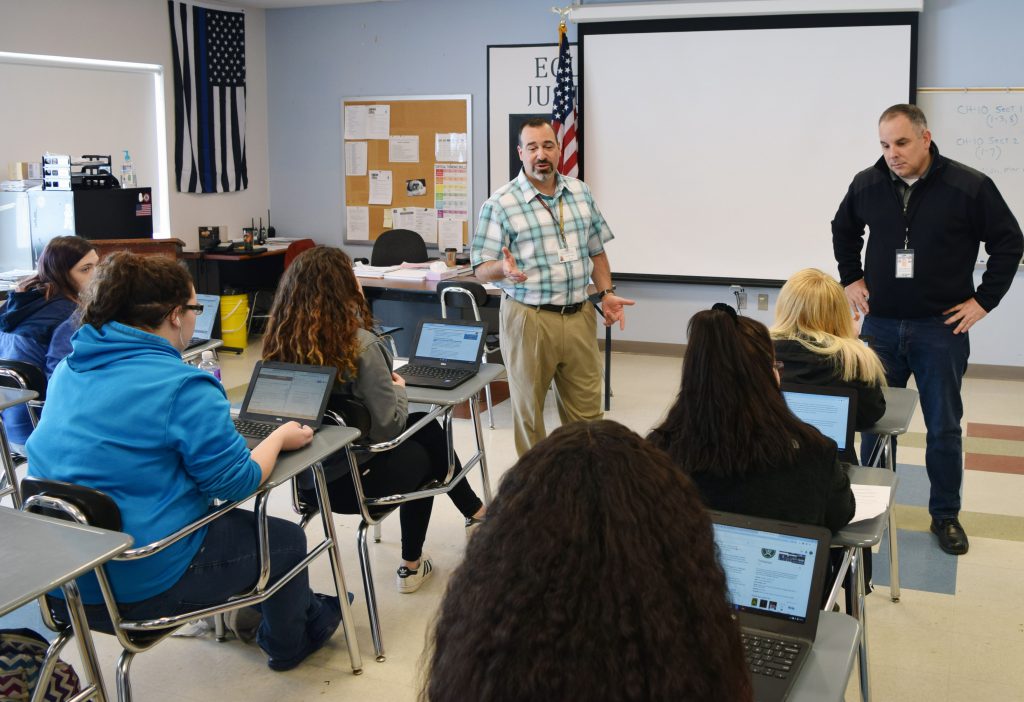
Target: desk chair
[(397, 246), (351, 412), (293, 250), (466, 294), (25, 376), (94, 508)]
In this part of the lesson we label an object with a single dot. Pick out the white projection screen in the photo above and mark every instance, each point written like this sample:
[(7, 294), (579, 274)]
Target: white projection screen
[(718, 150)]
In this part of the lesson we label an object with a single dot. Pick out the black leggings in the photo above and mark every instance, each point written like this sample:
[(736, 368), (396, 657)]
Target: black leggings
[(421, 458)]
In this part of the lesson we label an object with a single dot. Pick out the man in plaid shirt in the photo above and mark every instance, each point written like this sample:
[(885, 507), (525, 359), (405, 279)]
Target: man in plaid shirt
[(541, 239)]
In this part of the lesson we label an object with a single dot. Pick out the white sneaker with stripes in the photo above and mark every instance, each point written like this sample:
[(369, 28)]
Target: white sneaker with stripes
[(408, 580)]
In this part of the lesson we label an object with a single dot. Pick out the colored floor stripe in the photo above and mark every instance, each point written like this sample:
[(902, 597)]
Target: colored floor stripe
[(922, 565), (994, 464), (995, 431)]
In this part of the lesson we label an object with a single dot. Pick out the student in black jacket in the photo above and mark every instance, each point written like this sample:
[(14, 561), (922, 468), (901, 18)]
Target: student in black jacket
[(816, 341), (731, 431)]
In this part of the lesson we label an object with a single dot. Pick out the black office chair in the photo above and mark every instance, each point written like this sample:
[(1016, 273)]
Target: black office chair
[(465, 294), (397, 246)]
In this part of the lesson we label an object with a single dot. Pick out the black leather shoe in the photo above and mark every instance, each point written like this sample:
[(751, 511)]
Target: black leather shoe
[(952, 537)]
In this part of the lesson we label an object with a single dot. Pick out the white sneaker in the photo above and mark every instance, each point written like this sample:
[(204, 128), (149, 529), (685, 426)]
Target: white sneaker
[(408, 580), (472, 524)]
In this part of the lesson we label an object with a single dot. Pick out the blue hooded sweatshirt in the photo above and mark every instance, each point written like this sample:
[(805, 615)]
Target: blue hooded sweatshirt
[(126, 416), (27, 323)]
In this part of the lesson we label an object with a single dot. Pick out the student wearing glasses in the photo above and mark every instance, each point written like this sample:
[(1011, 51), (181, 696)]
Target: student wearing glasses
[(126, 416), (731, 431)]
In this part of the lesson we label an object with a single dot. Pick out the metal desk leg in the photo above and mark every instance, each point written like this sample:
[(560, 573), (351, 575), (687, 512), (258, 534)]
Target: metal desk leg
[(347, 623), (90, 664), (9, 473), (860, 614), (894, 549), (474, 412)]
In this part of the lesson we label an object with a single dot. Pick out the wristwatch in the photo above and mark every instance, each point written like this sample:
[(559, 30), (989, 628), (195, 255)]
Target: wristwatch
[(600, 295)]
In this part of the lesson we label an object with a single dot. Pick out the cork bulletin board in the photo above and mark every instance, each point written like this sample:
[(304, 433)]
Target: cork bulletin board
[(407, 166)]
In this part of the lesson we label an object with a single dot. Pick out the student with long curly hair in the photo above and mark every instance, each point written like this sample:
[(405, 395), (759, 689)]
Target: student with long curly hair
[(595, 577), (816, 341), (320, 317), (731, 431), (35, 313)]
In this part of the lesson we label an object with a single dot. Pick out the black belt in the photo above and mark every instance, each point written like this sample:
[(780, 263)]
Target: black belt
[(560, 309)]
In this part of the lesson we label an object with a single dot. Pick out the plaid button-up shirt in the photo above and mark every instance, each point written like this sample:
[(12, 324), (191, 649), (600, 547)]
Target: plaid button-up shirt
[(516, 216)]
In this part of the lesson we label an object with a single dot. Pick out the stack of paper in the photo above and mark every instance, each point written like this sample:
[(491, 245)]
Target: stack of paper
[(872, 500), (449, 273), (373, 271), (407, 274)]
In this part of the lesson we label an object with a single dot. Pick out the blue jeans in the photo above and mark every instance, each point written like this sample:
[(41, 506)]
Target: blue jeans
[(928, 349), (228, 564)]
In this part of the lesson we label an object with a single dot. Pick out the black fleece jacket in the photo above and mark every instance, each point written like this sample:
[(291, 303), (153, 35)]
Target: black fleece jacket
[(951, 211)]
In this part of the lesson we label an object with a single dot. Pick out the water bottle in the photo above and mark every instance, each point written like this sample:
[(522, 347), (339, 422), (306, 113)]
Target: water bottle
[(128, 171), (210, 364)]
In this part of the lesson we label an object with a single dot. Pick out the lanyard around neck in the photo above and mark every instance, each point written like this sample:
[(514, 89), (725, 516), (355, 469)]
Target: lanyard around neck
[(560, 221)]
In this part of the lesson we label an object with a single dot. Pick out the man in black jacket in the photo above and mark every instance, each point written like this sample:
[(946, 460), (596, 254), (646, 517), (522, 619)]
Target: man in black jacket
[(927, 216)]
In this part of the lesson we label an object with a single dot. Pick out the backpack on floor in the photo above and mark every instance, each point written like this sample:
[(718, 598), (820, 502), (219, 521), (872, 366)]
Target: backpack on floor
[(22, 652)]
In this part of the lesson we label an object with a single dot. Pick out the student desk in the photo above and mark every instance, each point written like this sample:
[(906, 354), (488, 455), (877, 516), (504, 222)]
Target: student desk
[(10, 397), (900, 404), (425, 291), (853, 538), (827, 669), (442, 402), (327, 441), (41, 554)]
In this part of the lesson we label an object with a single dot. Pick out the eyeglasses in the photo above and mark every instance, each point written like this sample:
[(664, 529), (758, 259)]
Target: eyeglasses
[(779, 365), (198, 309)]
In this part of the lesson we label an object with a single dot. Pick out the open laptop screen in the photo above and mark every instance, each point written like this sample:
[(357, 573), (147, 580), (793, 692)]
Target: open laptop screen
[(443, 341), (205, 321), (289, 392), (767, 573), (829, 414)]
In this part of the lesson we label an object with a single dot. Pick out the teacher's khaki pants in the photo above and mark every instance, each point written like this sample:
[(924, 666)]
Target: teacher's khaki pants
[(538, 347)]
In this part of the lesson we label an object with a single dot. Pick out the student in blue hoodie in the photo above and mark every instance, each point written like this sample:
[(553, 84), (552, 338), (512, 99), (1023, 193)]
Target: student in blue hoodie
[(41, 304), (126, 416)]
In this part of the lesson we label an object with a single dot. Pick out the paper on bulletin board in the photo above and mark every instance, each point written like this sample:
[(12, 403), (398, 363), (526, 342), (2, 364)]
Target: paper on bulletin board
[(404, 149), (389, 220), (380, 188), (378, 121), (358, 221), (451, 146), (449, 234), (356, 118), (451, 190), (422, 220), (355, 158)]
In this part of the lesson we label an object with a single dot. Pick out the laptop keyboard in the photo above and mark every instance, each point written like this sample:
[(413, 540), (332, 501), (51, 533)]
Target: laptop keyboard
[(770, 657), (433, 372), (255, 430)]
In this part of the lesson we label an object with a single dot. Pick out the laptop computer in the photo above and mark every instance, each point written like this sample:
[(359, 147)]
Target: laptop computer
[(445, 353), (280, 393), (206, 321), (775, 573), (830, 410)]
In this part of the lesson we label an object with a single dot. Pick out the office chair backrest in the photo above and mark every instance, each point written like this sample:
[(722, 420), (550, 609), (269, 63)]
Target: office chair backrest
[(459, 299), (98, 509), (295, 248), (24, 376), (397, 246)]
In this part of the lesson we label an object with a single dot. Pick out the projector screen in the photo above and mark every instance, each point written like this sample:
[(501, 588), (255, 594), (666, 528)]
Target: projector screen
[(719, 150)]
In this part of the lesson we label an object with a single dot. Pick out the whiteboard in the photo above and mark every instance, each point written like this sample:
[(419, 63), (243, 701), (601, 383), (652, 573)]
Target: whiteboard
[(720, 154), (983, 129)]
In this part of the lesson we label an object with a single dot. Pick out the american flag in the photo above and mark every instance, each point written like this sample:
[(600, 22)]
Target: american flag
[(209, 98), (563, 114)]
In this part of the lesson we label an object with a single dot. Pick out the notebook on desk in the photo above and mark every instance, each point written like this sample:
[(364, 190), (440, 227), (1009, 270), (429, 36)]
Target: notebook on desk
[(775, 576), (206, 321), (830, 410), (283, 392), (445, 354)]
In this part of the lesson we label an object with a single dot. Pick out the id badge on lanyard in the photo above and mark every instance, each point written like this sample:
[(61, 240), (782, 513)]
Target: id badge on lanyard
[(904, 263), (569, 251)]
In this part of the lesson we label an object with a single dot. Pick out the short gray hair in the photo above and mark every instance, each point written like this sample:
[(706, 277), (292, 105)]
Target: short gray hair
[(911, 112)]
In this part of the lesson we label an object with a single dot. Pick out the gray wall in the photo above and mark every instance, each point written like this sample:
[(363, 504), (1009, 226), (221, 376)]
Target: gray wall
[(317, 56)]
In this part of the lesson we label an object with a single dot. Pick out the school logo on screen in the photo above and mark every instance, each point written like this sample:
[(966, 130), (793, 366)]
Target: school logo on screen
[(768, 553)]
